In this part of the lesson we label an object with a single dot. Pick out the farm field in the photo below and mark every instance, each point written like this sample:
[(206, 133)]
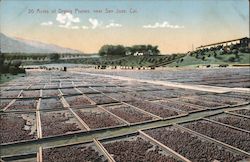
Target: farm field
[(129, 81), (232, 77), (88, 116)]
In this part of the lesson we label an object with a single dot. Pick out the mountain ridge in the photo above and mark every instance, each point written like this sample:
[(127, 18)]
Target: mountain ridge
[(20, 45)]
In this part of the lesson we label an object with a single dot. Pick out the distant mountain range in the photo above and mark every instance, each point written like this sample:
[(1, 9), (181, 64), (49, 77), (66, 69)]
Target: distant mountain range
[(18, 45)]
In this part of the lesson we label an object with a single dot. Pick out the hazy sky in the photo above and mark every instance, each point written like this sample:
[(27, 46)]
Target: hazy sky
[(173, 25)]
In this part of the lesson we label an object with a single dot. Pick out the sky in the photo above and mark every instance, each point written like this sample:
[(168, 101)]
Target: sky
[(85, 25)]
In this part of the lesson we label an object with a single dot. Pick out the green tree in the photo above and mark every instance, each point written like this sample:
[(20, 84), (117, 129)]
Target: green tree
[(16, 63), (231, 59), (54, 56), (2, 58), (109, 50)]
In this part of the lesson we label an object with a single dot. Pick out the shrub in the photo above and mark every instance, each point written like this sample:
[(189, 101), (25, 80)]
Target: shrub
[(223, 52), (16, 63), (242, 49), (54, 56), (215, 54), (234, 51), (13, 70), (231, 59), (232, 47), (5, 68), (21, 70)]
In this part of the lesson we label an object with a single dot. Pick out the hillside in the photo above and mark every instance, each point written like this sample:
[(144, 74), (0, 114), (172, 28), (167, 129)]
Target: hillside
[(137, 61), (19, 45), (215, 56), (243, 58)]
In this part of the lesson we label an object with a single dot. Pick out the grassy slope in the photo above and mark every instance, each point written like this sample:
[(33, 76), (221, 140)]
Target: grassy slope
[(134, 60), (220, 59)]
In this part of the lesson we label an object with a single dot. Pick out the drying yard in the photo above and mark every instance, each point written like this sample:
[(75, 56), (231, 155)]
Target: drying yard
[(101, 116)]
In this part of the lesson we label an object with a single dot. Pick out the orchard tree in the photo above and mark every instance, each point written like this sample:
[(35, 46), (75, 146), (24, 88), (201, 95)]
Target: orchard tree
[(54, 56)]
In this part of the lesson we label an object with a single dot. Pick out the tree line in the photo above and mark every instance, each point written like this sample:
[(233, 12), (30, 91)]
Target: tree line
[(120, 50), (38, 57), (12, 67)]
